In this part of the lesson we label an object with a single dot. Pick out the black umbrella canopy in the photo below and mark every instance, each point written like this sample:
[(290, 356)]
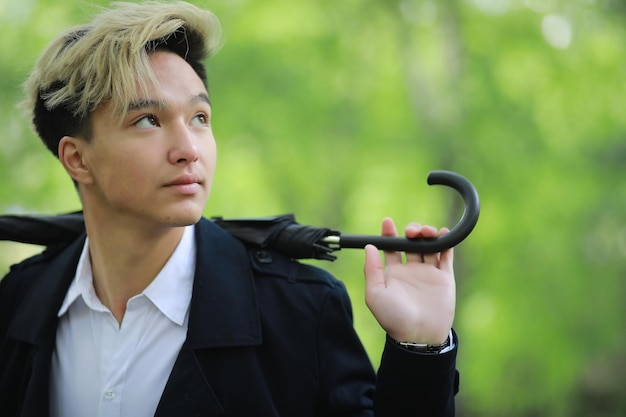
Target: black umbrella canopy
[(281, 233), (284, 234), (42, 230)]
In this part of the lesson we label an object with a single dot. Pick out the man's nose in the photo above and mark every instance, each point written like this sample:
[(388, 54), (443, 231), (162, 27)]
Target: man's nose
[(184, 148)]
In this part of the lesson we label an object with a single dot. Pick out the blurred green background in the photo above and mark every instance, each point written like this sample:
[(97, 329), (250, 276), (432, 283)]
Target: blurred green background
[(337, 111)]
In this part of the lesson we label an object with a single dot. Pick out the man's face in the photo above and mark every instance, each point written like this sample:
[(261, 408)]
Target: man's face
[(156, 167)]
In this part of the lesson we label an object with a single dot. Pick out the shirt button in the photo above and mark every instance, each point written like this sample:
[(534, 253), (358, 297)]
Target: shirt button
[(109, 395)]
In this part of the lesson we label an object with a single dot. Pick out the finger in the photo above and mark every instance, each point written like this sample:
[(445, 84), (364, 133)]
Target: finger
[(374, 272), (412, 231), (446, 258), (414, 257), (415, 230), (389, 229), (428, 232), (432, 259)]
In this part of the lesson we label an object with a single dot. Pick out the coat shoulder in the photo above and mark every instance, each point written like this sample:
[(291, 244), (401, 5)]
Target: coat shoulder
[(265, 263), (22, 273)]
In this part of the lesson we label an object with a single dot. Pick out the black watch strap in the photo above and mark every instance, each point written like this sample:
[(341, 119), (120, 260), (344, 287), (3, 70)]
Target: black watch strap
[(423, 347)]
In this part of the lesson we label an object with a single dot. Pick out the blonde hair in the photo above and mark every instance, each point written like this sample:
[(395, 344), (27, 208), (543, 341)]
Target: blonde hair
[(107, 60)]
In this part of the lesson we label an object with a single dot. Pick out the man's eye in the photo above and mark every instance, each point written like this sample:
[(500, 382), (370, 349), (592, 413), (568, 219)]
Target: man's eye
[(147, 121), (200, 119)]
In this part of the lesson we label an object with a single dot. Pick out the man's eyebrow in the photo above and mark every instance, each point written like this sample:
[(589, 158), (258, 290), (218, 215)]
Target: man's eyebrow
[(202, 97), (142, 104)]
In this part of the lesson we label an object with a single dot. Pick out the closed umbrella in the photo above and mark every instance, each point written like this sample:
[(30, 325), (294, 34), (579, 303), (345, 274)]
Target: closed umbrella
[(281, 233)]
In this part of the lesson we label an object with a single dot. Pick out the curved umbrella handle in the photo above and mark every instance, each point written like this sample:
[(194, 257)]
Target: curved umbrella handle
[(423, 245)]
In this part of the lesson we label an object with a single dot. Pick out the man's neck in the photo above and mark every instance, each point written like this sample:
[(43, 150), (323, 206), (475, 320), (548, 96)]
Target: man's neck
[(125, 260)]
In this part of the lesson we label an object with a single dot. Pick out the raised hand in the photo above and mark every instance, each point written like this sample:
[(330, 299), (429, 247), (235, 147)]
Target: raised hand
[(413, 299)]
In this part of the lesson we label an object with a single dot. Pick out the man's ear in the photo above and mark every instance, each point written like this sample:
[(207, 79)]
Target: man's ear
[(71, 155)]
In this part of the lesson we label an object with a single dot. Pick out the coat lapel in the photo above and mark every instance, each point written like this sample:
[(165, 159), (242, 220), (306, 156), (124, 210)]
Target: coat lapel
[(36, 321), (223, 313)]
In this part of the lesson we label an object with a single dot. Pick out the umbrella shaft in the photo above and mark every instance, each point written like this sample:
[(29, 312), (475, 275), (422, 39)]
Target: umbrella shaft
[(388, 243)]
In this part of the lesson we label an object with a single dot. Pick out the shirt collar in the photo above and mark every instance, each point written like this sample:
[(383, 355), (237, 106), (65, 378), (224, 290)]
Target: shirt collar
[(82, 285), (170, 291)]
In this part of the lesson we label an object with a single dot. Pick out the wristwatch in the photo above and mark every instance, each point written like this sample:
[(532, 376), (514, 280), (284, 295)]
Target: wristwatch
[(423, 347)]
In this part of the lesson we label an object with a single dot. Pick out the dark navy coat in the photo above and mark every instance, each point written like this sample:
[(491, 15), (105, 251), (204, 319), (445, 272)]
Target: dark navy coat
[(268, 337)]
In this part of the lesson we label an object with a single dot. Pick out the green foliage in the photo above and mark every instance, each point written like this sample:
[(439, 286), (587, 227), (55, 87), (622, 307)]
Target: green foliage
[(336, 111)]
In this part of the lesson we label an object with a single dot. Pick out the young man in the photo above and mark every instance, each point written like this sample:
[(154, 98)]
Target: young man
[(157, 311)]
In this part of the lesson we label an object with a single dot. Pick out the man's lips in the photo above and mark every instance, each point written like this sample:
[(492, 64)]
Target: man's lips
[(186, 184)]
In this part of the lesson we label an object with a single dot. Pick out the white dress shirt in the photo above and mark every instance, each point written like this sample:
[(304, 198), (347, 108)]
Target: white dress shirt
[(103, 369)]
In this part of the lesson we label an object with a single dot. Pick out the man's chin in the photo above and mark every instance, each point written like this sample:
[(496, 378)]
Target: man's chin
[(186, 220), (186, 215)]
